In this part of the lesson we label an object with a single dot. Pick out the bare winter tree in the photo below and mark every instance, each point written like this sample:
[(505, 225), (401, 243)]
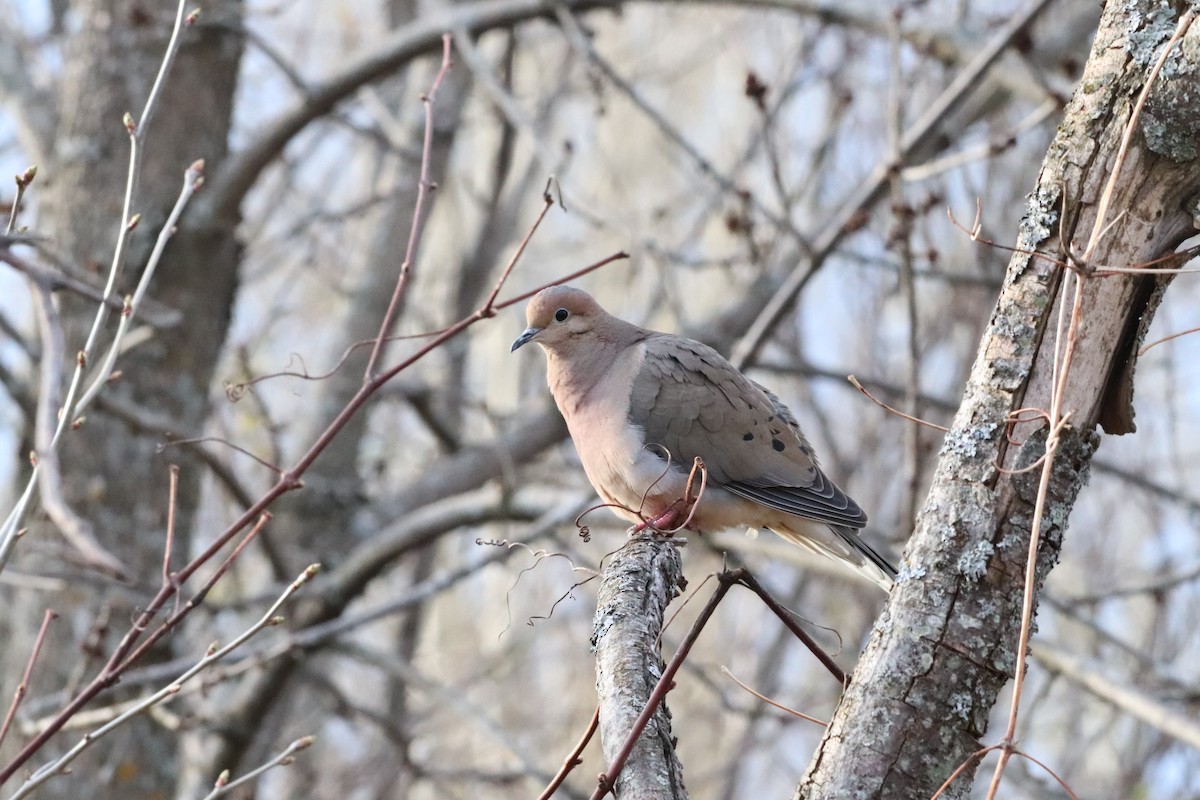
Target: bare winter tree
[(310, 364), (1114, 200)]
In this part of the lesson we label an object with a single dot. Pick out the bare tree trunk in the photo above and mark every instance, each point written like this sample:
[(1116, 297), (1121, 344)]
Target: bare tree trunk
[(947, 643), (114, 475), (636, 587)]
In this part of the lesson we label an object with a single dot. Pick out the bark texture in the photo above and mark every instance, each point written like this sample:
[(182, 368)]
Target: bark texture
[(945, 646), (636, 587)]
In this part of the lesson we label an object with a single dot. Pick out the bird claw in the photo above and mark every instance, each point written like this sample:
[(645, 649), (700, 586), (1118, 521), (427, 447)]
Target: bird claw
[(660, 524), (663, 525)]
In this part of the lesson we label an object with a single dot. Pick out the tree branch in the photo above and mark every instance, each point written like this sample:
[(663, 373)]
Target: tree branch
[(948, 641), (643, 577)]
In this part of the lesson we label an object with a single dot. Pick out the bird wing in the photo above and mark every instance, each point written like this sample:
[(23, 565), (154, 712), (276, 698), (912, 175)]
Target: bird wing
[(689, 400)]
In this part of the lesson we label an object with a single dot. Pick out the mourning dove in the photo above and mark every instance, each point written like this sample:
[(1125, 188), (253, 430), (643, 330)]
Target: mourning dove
[(642, 405)]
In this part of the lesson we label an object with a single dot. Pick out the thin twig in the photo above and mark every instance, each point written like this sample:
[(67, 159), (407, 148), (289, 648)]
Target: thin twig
[(963, 767), (1166, 339), (868, 192), (725, 670), (547, 202), (579, 273), (418, 217), (23, 686), (213, 655), (1075, 279), (855, 383), (225, 442), (573, 759), (23, 180), (172, 495), (67, 413), (223, 785), (193, 179), (745, 578)]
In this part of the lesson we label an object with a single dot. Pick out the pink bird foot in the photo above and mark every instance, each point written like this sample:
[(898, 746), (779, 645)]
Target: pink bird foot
[(666, 522)]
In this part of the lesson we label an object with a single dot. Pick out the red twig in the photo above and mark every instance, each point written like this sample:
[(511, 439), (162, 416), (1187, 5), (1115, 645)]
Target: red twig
[(1166, 339), (23, 686), (198, 598), (167, 576), (128, 650), (974, 233), (971, 759), (573, 759), (978, 754), (746, 579), (854, 382), (771, 702), (579, 273), (418, 218), (288, 480), (221, 441), (547, 203)]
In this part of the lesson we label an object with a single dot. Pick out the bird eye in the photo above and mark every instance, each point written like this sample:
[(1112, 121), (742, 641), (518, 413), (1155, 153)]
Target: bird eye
[(562, 314)]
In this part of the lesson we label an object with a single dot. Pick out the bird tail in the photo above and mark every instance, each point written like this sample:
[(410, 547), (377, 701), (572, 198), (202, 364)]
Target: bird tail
[(843, 545)]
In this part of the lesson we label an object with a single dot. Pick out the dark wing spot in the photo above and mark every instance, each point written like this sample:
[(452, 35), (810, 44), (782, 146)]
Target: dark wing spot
[(749, 437), (778, 445)]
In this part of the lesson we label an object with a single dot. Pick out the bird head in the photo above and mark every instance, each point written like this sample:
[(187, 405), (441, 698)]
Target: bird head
[(559, 316)]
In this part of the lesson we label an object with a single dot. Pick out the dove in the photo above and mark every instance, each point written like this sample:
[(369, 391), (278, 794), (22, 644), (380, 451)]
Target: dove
[(642, 406)]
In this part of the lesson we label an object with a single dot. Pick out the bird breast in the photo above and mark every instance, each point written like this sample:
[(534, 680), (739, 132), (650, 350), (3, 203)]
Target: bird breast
[(594, 400)]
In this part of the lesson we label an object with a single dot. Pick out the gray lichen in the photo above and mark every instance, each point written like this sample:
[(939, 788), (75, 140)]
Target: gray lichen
[(966, 442), (973, 561), (961, 705), (1146, 32), (1176, 142), (1171, 119), (945, 532), (1041, 216), (1010, 539)]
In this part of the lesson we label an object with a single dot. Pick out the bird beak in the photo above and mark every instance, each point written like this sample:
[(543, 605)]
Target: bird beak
[(525, 338)]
